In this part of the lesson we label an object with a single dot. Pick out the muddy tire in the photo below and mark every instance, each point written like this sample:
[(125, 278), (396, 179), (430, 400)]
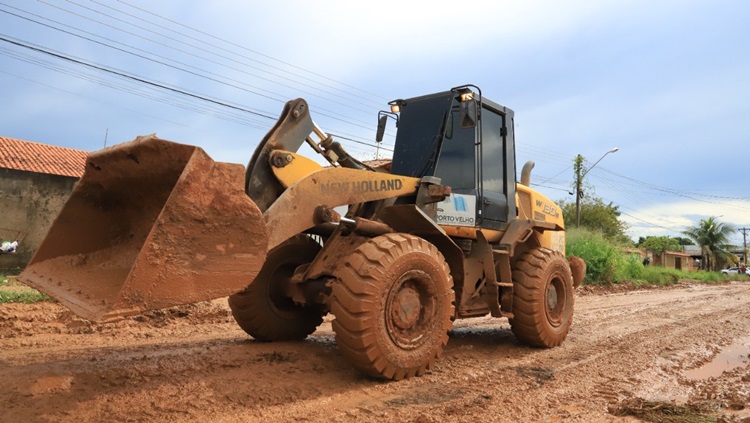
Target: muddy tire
[(393, 302), (542, 298), (263, 311)]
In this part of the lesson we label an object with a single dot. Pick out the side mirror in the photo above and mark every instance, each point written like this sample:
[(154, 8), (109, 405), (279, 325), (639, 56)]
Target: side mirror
[(381, 127), (382, 118), (468, 115), (449, 127)]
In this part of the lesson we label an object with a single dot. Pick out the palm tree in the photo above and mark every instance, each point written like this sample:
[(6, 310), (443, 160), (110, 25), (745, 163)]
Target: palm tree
[(713, 238)]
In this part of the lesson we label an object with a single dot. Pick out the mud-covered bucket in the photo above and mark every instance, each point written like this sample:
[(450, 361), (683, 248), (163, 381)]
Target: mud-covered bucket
[(151, 224)]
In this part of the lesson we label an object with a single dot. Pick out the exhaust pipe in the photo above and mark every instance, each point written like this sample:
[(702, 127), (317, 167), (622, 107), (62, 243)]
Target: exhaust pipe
[(526, 173)]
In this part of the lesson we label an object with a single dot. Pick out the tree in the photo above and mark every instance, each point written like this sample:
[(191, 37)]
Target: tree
[(683, 241), (598, 217), (713, 238), (660, 244)]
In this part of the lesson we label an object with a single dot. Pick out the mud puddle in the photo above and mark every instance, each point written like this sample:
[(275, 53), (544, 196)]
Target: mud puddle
[(733, 356)]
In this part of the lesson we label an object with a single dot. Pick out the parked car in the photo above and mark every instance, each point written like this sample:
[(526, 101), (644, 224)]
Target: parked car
[(733, 270)]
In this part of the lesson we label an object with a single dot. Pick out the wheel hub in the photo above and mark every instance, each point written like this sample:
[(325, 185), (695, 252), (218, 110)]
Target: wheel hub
[(405, 308), (551, 297), (410, 310), (555, 300), (278, 297)]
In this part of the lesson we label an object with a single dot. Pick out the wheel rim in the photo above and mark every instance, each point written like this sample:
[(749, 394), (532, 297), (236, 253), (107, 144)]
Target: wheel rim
[(555, 300), (283, 305), (410, 310)]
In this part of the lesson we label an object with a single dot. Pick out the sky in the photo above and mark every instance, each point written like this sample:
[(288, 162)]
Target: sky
[(665, 82)]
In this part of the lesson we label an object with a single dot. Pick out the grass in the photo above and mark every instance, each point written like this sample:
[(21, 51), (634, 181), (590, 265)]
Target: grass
[(607, 263), (12, 291), (666, 412)]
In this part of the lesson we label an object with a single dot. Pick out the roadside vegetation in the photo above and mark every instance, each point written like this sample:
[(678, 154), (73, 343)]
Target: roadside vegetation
[(608, 262), (12, 291), (600, 238)]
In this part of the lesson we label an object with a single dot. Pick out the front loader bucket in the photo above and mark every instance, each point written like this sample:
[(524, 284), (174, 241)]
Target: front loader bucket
[(151, 224)]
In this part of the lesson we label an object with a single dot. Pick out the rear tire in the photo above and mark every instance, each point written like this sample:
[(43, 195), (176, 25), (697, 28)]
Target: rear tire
[(393, 302), (263, 310), (542, 298)]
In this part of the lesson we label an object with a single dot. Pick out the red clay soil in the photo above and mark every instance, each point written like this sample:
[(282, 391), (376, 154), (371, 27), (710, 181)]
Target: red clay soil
[(193, 363)]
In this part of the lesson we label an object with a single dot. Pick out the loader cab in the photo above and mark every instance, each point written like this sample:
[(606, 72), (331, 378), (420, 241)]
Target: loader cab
[(470, 146)]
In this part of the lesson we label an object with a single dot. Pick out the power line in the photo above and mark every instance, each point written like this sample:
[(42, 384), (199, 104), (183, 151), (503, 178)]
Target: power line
[(123, 50), (82, 96), (678, 193), (359, 142), (650, 223), (211, 52), (253, 51), (546, 154), (674, 191), (319, 110), (158, 85), (132, 77), (196, 107), (558, 174), (182, 34)]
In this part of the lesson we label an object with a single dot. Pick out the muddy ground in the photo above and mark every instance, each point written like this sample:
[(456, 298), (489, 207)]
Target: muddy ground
[(194, 364)]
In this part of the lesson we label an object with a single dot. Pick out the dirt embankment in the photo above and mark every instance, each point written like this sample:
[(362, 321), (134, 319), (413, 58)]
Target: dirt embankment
[(194, 364)]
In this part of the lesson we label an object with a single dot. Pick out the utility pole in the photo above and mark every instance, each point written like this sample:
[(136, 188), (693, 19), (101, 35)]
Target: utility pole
[(579, 179), (744, 242), (577, 165)]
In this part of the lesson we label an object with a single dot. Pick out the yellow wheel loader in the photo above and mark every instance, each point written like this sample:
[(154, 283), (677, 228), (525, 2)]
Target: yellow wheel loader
[(395, 253)]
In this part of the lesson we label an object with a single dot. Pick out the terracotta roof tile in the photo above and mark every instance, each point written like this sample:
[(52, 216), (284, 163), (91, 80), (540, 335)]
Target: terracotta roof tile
[(677, 253), (41, 158)]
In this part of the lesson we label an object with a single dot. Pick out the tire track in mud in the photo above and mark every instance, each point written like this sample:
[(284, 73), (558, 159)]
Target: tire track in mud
[(598, 368), (651, 358), (621, 345)]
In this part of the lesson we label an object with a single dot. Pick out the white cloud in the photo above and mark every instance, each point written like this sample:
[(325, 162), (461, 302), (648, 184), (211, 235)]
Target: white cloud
[(673, 218), (664, 81)]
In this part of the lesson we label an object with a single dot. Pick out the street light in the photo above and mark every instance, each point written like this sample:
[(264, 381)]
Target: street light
[(579, 179)]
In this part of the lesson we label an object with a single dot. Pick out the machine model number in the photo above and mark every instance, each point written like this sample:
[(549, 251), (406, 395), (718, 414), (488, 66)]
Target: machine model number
[(548, 208)]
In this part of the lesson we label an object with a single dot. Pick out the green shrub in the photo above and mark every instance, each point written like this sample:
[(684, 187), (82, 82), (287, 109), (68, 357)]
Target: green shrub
[(656, 275), (629, 268), (23, 297), (12, 291), (602, 257)]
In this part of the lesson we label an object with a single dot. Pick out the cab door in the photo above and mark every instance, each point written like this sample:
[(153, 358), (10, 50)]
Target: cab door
[(496, 168)]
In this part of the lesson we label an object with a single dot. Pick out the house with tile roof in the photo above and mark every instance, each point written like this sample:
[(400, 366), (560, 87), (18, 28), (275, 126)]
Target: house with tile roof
[(35, 181), (674, 260)]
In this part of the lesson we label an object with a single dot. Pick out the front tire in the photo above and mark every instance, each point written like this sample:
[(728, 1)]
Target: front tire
[(263, 310), (393, 302), (542, 298)]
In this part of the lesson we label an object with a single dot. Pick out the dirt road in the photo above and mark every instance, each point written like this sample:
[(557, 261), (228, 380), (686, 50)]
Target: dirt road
[(194, 364)]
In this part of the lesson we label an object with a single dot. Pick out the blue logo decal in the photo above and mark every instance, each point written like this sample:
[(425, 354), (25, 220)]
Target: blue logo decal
[(459, 203)]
